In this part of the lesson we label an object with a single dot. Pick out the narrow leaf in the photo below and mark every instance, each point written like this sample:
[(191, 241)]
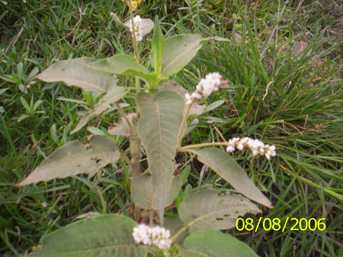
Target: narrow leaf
[(107, 235), (179, 51), (158, 125), (76, 72), (213, 243), (74, 158), (226, 167), (158, 42), (209, 209)]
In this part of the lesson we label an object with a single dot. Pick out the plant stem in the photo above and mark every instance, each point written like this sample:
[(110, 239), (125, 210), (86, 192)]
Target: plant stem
[(135, 151), (134, 140), (188, 147), (183, 125), (134, 144), (135, 48)]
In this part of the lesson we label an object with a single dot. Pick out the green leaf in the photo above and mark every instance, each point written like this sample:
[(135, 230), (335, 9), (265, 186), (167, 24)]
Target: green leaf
[(189, 253), (122, 64), (213, 243), (158, 126), (158, 42), (174, 225), (179, 51), (210, 209), (74, 158), (113, 95), (142, 190), (226, 167), (107, 235), (77, 72), (119, 64)]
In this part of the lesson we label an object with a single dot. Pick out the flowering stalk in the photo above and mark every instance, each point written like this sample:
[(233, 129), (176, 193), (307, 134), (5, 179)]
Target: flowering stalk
[(256, 146), (135, 46), (212, 82), (138, 27), (206, 86)]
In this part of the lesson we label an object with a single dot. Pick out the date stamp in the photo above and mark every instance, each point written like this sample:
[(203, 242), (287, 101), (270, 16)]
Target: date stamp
[(280, 224)]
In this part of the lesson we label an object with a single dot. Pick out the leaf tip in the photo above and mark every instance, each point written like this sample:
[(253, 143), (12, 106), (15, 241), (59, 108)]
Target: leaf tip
[(22, 183)]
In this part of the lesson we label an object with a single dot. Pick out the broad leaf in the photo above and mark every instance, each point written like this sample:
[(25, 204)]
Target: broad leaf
[(179, 51), (158, 126), (142, 192), (174, 225), (113, 95), (122, 64), (213, 243), (209, 209), (118, 64), (226, 167), (107, 235), (77, 72), (74, 158)]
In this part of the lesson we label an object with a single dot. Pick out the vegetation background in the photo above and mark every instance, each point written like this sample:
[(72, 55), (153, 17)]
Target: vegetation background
[(284, 61)]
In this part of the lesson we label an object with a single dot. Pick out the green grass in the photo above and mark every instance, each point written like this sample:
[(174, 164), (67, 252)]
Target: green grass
[(293, 100)]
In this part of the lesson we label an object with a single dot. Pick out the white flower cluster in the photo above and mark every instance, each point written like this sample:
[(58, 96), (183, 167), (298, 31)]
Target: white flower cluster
[(156, 236), (211, 83), (256, 146), (139, 27)]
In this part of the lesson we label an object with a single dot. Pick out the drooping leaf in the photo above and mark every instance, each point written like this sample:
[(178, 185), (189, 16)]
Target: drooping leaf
[(107, 235), (142, 192), (122, 128), (157, 48), (208, 208), (74, 158), (77, 72), (179, 51), (113, 95), (158, 126), (227, 168), (213, 243)]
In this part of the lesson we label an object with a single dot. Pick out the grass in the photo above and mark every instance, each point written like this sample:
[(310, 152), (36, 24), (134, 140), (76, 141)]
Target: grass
[(281, 93)]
